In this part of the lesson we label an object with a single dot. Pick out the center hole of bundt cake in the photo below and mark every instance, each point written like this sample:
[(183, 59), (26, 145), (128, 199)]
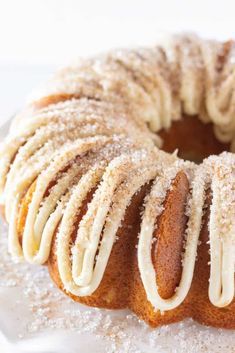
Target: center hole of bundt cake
[(194, 139)]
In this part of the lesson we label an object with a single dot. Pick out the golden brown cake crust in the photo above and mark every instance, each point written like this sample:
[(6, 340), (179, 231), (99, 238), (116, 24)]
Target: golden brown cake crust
[(169, 245), (193, 139)]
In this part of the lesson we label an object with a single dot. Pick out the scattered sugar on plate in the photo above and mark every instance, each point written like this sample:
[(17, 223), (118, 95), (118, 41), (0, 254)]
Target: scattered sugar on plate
[(47, 309)]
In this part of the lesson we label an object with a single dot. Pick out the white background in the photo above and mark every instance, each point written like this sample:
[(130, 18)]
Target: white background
[(36, 36)]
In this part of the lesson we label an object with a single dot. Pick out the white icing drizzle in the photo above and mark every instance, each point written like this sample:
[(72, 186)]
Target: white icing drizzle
[(85, 277), (97, 142), (183, 75), (222, 231), (153, 209), (68, 154)]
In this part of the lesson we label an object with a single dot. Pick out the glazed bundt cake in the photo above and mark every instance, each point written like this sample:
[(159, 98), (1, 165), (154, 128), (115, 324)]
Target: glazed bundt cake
[(93, 185)]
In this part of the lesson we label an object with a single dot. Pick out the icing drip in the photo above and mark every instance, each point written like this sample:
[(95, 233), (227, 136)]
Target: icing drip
[(93, 137), (222, 231), (153, 209), (97, 230)]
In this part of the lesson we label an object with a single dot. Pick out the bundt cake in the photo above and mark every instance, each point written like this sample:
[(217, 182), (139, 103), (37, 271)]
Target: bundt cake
[(117, 176)]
